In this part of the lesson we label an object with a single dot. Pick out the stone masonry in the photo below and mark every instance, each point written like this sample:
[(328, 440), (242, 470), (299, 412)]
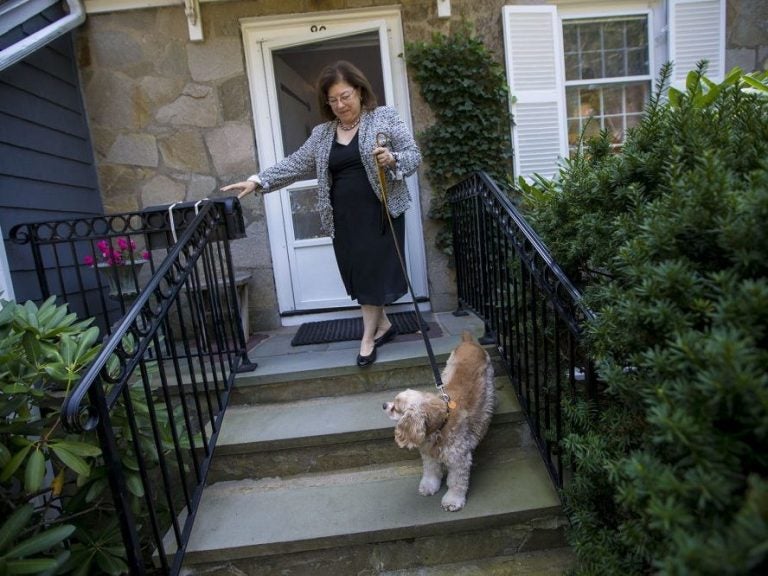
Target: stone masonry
[(171, 119)]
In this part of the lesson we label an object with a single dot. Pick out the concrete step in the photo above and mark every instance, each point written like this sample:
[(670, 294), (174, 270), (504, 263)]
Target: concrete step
[(299, 376), (325, 434), (369, 520), (541, 563)]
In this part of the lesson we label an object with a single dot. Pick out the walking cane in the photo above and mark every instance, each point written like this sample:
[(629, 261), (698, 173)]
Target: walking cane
[(383, 141)]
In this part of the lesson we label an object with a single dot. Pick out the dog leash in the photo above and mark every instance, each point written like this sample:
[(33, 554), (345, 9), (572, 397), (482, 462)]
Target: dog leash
[(383, 141)]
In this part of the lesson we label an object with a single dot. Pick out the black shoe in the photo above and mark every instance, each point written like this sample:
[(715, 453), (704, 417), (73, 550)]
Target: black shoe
[(386, 337), (364, 361)]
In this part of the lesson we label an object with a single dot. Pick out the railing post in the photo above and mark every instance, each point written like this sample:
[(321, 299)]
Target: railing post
[(38, 259), (524, 308), (120, 493), (245, 365)]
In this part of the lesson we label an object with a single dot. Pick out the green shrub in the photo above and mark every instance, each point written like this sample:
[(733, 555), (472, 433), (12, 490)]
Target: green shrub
[(57, 513), (472, 122), (669, 240)]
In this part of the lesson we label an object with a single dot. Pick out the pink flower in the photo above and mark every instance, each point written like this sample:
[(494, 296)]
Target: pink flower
[(125, 253), (103, 247)]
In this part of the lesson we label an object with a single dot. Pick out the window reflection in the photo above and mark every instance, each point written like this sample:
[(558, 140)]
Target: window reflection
[(306, 217), (607, 75), (614, 108)]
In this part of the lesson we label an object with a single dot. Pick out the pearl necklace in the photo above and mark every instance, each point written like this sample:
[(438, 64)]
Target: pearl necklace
[(351, 126)]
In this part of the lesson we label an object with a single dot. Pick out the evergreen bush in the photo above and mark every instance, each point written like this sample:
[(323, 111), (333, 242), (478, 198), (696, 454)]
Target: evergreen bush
[(669, 240)]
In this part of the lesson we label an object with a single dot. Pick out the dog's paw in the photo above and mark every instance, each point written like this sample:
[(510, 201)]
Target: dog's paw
[(429, 485), (453, 502)]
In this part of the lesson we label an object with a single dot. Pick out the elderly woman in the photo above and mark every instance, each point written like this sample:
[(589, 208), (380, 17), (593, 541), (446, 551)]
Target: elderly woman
[(345, 154)]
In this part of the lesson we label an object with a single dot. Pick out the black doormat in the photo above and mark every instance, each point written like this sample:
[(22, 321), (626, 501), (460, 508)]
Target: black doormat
[(349, 329)]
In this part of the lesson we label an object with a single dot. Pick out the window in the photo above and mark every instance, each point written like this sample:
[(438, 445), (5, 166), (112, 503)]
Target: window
[(576, 60), (607, 75)]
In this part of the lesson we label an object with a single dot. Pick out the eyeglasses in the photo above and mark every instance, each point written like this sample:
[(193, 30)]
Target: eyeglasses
[(343, 98)]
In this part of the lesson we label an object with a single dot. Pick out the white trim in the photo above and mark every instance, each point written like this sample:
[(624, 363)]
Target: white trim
[(298, 319), (6, 283), (263, 34), (610, 80), (191, 10), (16, 12), (20, 50), (194, 20), (102, 6), (582, 9), (629, 12)]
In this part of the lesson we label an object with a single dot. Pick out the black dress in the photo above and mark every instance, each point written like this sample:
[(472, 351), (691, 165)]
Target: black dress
[(365, 251)]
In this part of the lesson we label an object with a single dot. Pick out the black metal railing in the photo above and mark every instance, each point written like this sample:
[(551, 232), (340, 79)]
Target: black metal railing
[(157, 392), (532, 311)]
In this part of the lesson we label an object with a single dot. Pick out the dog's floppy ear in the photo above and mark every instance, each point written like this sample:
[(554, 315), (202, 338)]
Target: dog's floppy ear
[(410, 429)]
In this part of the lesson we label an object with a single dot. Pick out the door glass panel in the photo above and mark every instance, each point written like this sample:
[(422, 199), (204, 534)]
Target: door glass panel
[(306, 218), (296, 69)]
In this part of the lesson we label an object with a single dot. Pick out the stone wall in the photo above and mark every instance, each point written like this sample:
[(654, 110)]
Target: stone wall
[(747, 35), (171, 119)]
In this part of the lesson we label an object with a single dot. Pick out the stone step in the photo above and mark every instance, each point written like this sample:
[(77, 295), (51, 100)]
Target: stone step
[(369, 520), (298, 376), (332, 433), (553, 562)]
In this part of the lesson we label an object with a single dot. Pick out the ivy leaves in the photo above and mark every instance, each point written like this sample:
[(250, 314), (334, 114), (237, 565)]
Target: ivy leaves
[(468, 94)]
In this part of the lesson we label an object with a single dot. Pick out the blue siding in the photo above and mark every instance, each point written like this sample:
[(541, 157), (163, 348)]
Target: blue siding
[(47, 169)]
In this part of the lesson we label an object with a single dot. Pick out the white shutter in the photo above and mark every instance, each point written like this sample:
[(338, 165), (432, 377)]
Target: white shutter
[(534, 60), (697, 32)]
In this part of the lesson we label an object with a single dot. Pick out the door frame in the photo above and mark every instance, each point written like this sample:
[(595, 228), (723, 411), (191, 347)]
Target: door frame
[(260, 35)]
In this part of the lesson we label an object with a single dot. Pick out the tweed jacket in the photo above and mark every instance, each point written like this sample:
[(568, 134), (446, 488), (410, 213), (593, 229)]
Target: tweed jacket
[(312, 160)]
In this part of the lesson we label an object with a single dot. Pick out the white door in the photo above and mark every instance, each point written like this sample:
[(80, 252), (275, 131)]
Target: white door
[(284, 57)]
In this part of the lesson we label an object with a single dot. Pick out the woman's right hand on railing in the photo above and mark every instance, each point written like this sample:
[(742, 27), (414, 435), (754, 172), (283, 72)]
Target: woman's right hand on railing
[(244, 188)]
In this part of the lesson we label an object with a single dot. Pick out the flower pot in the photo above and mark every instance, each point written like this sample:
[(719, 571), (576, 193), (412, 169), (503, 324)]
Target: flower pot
[(123, 278)]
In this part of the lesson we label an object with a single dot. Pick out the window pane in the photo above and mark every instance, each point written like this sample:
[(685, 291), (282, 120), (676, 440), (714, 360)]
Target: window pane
[(614, 64), (632, 120), (590, 103), (306, 218), (591, 129), (590, 37), (572, 68), (605, 48), (612, 107), (615, 127), (636, 95), (591, 65), (574, 132), (637, 33), (613, 100), (571, 39), (613, 35), (637, 62)]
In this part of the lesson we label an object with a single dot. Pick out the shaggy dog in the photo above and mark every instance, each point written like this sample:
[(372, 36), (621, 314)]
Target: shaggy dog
[(447, 431)]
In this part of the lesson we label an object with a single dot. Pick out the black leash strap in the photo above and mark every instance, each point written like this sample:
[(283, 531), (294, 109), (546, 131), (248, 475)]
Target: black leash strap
[(383, 141)]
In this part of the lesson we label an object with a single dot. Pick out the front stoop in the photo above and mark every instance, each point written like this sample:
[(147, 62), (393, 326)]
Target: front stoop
[(317, 486)]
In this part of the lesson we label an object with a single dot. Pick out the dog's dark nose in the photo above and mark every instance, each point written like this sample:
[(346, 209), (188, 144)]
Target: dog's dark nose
[(384, 406)]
